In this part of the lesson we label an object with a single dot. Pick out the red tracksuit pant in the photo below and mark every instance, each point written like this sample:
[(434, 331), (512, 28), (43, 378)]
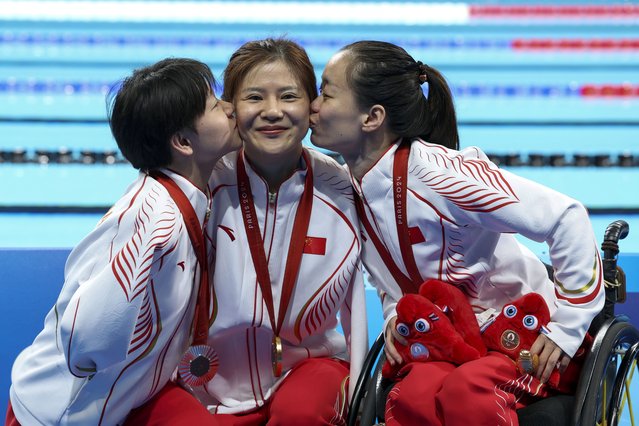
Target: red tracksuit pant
[(487, 391), (314, 393)]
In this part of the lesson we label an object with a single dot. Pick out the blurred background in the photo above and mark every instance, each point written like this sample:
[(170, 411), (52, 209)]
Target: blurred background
[(549, 89)]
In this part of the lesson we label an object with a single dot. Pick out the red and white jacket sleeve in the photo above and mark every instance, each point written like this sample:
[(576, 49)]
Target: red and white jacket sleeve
[(512, 204), (109, 316)]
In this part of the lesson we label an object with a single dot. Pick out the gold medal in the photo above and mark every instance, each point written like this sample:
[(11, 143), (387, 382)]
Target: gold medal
[(299, 235), (526, 362), (276, 356)]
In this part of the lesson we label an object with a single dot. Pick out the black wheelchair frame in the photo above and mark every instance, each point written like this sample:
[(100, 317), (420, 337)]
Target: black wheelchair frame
[(602, 383)]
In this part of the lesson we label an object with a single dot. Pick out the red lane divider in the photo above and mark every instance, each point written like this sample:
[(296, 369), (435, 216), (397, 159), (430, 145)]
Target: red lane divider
[(560, 11), (575, 44), (609, 90)]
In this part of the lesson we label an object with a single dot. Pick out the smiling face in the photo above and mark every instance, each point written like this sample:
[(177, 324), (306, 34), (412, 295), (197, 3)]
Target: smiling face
[(336, 119), (272, 110)]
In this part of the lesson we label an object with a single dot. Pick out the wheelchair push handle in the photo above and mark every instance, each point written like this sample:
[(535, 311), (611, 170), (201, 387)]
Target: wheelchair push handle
[(617, 230)]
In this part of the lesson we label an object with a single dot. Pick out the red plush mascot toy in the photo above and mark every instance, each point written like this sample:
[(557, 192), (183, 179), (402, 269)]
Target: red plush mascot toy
[(517, 327), (438, 325)]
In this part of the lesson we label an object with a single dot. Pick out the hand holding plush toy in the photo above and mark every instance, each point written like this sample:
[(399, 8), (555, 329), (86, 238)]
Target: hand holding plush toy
[(438, 325), (516, 328)]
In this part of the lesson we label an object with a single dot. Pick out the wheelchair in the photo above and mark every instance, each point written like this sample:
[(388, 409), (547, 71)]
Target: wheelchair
[(603, 391)]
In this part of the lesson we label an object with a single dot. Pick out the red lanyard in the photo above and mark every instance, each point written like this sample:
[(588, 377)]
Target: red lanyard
[(400, 184), (194, 229), (410, 283), (256, 244)]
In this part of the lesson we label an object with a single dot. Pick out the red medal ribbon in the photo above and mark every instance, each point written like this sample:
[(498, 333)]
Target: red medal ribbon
[(400, 188), (256, 244), (194, 229), (408, 284)]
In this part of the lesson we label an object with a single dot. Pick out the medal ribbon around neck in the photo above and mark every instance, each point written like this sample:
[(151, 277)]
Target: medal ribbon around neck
[(408, 284), (199, 364), (256, 246)]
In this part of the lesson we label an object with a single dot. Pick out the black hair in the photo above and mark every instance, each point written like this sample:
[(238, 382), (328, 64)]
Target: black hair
[(154, 103), (385, 74)]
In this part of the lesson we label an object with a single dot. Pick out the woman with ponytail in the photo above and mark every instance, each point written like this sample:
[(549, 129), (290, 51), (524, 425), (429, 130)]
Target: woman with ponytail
[(431, 211)]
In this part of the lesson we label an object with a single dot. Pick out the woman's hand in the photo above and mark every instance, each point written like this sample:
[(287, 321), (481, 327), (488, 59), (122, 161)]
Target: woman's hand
[(550, 357), (392, 356)]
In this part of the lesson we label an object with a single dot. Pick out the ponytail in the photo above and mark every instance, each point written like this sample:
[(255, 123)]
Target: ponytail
[(385, 74), (441, 116)]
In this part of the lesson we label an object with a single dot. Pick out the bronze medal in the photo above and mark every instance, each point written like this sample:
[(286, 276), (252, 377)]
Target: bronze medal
[(276, 356)]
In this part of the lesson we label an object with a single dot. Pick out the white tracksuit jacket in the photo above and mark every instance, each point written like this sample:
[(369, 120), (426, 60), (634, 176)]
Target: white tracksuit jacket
[(468, 211), (123, 318), (329, 287)]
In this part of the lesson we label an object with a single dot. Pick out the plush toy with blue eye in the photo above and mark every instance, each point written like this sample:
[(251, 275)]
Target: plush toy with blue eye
[(438, 325), (516, 328)]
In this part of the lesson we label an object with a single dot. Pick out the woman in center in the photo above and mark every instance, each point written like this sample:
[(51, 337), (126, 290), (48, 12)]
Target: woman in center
[(285, 255)]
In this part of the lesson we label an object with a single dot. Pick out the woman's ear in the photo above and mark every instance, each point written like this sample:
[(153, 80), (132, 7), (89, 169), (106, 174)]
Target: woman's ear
[(374, 118), (181, 144)]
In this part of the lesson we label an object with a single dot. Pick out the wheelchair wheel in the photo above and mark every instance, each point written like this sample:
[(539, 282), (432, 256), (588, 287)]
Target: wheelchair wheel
[(595, 399), (622, 388), (366, 383), (374, 403)]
